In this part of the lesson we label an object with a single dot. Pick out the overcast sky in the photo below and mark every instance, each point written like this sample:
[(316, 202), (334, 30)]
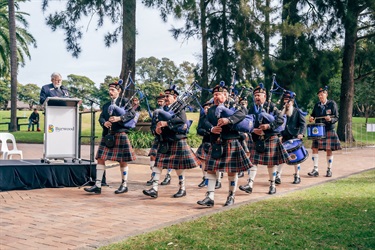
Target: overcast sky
[(96, 61)]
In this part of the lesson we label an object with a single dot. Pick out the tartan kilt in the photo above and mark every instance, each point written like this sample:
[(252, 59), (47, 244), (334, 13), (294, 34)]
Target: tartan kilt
[(275, 153), (154, 148), (331, 142), (233, 160), (179, 156), (121, 152), (201, 153)]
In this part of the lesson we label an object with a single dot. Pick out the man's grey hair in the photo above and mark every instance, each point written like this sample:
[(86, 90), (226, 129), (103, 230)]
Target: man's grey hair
[(55, 74)]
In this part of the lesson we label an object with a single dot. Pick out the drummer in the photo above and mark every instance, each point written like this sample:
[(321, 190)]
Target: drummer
[(325, 112), (295, 129)]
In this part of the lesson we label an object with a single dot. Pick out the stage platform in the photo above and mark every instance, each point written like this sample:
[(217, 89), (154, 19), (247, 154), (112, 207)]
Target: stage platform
[(32, 174)]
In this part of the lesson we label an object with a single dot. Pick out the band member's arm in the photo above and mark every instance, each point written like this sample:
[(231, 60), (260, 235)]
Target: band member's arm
[(102, 120), (335, 115), (279, 120), (173, 124), (43, 96), (301, 124), (200, 128), (177, 121), (314, 113), (153, 122), (129, 115), (238, 116), (206, 124)]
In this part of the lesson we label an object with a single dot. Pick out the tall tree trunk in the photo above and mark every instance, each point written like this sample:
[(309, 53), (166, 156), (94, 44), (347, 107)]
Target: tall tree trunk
[(128, 42), (347, 77), (267, 62), (204, 73), (226, 71), (289, 17), (13, 66)]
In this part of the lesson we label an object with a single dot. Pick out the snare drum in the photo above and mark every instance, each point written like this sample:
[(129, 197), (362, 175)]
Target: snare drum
[(296, 151), (316, 131)]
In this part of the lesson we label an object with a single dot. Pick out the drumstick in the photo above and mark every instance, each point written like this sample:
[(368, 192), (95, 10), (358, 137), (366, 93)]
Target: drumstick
[(321, 117)]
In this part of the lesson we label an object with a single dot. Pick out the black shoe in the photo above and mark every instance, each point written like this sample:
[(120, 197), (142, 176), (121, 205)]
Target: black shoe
[(297, 180), (206, 202), (277, 180), (180, 193), (230, 201), (313, 173), (241, 174), (203, 183), (94, 189), (151, 192), (149, 183), (121, 189), (167, 180), (272, 190), (246, 188), (217, 185), (329, 173)]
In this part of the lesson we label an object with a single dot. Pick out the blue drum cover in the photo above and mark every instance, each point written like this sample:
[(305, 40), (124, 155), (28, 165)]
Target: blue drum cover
[(316, 131), (296, 151)]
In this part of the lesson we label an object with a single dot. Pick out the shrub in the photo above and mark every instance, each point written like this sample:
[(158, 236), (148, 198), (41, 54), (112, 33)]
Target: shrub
[(194, 140), (141, 139), (144, 116)]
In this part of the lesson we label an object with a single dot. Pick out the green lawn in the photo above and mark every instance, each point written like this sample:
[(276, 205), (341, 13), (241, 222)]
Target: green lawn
[(23, 136), (335, 215)]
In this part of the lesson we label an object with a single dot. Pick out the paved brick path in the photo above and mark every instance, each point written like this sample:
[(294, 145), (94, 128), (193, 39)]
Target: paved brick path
[(69, 218)]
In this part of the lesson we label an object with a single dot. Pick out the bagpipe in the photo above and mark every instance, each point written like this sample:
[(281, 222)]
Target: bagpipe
[(180, 104), (267, 118), (281, 91), (247, 124), (115, 110), (264, 116)]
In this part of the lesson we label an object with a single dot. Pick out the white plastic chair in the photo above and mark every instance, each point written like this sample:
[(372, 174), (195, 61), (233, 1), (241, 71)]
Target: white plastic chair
[(5, 151)]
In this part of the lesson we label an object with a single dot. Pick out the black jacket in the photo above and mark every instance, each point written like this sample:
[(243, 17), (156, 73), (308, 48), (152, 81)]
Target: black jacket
[(227, 132), (49, 90), (201, 130), (117, 126), (34, 117), (330, 108), (279, 120), (295, 125)]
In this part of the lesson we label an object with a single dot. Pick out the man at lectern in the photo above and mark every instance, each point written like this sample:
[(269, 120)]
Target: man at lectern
[(115, 144), (54, 89)]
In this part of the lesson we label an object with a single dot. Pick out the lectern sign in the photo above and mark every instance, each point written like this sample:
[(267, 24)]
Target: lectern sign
[(61, 128)]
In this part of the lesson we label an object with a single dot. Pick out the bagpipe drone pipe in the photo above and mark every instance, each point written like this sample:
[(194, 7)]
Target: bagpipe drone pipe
[(267, 117), (115, 110), (282, 92), (180, 104)]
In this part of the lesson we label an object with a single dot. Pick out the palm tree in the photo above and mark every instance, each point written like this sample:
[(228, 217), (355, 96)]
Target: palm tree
[(23, 38)]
